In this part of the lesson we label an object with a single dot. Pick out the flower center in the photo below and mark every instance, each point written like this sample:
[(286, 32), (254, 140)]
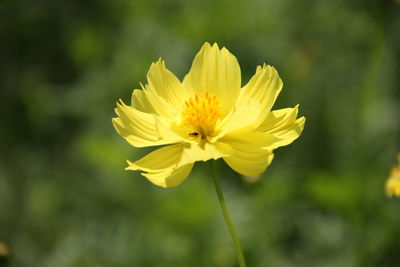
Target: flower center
[(201, 113)]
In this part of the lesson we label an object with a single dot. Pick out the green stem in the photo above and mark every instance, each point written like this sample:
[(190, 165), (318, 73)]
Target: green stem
[(239, 252)]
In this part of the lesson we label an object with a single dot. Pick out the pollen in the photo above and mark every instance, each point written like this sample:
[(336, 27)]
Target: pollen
[(201, 113)]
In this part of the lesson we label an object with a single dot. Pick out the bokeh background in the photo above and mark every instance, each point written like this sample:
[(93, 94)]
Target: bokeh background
[(65, 199)]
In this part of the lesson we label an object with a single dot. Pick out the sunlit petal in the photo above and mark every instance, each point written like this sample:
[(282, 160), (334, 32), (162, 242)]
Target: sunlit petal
[(283, 124), (264, 87), (165, 84), (216, 71), (141, 129), (249, 155), (240, 118), (205, 151), (167, 166), (170, 177)]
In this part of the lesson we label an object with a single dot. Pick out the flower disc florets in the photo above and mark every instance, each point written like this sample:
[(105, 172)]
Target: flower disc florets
[(201, 113)]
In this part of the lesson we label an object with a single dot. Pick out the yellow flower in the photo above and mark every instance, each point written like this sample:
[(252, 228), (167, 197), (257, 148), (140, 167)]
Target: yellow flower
[(393, 182), (207, 116)]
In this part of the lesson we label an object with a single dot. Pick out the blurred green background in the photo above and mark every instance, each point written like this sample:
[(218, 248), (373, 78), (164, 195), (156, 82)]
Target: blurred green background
[(65, 199)]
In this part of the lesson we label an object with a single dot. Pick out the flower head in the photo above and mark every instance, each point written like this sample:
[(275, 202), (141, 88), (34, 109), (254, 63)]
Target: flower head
[(206, 116), (393, 182)]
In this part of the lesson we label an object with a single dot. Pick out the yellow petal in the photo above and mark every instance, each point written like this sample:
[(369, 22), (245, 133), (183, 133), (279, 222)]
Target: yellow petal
[(279, 118), (253, 104), (170, 177), (249, 157), (290, 133), (251, 139), (205, 151), (149, 101), (142, 129), (160, 166), (165, 84), (163, 96), (140, 102), (392, 185), (249, 161), (160, 159), (242, 118), (170, 165), (216, 71), (283, 123), (264, 87), (250, 164)]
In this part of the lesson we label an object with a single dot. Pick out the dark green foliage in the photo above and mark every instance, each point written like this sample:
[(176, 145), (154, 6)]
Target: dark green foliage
[(65, 199)]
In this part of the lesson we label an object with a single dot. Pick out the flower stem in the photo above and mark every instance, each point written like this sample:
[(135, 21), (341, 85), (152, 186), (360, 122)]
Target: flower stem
[(239, 252)]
